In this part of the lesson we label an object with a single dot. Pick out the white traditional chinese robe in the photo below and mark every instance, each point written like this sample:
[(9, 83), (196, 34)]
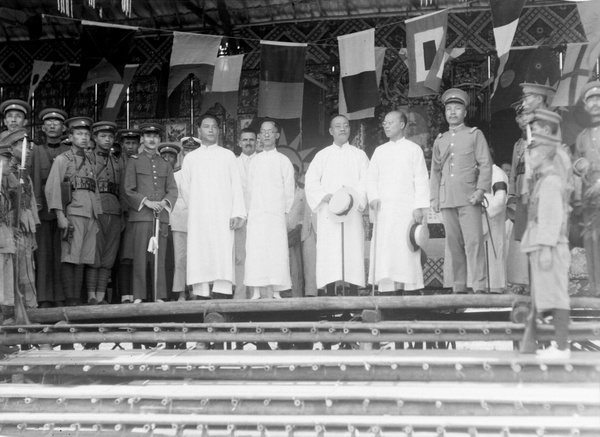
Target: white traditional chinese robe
[(211, 188), (271, 192), (331, 169), (398, 177)]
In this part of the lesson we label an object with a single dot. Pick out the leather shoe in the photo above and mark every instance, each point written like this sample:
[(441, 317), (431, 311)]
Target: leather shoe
[(93, 301)]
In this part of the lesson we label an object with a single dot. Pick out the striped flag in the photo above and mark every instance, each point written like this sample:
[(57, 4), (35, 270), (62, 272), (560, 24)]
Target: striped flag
[(369, 112), (426, 42), (505, 18), (192, 54), (225, 85), (281, 87), (358, 71), (116, 93)]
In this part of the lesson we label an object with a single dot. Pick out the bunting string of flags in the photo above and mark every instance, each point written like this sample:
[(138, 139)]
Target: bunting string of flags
[(106, 48)]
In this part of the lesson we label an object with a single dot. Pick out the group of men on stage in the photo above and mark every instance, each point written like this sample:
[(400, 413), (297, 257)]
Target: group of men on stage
[(244, 227)]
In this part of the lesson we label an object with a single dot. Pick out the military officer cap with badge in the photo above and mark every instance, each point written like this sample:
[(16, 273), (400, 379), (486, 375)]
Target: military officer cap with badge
[(151, 128), (538, 89), (545, 117), (190, 143), (53, 114), (590, 89), (456, 95), (130, 133), (79, 123), (104, 126), (9, 140), (15, 105), (173, 148)]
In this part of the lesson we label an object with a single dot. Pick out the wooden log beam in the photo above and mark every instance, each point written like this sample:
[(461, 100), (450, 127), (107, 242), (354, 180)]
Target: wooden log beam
[(283, 306)]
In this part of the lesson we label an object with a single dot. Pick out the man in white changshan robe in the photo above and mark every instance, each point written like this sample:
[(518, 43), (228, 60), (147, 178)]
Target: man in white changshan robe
[(211, 188), (398, 192), (332, 168), (271, 190)]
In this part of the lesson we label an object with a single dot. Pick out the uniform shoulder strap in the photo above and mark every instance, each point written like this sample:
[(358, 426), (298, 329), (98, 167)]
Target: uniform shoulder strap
[(473, 130)]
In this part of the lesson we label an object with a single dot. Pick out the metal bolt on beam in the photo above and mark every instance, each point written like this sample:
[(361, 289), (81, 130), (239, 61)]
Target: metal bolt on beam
[(400, 403), (508, 331), (328, 403), (441, 431), (28, 400), (118, 427), (462, 331), (543, 367), (367, 367), (540, 431), (143, 368), (394, 366), (315, 367), (438, 404), (485, 405), (21, 426), (48, 427), (87, 368), (473, 432), (365, 404), (409, 331), (575, 433), (343, 367), (165, 367), (60, 401), (458, 367), (266, 402), (425, 366), (408, 430), (131, 367), (203, 402), (118, 401), (485, 331), (165, 402), (437, 331), (132, 401), (346, 330), (487, 367), (505, 432), (26, 368), (516, 368), (569, 367), (547, 407), (580, 407), (292, 367), (117, 367), (297, 403), (189, 367)]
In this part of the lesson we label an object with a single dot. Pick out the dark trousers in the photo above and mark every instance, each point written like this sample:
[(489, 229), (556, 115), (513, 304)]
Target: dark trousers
[(47, 261)]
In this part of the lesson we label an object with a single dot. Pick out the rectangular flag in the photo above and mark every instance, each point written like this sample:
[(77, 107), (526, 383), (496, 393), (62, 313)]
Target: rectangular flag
[(104, 52), (226, 84), (505, 19), (369, 112), (426, 43), (434, 78), (589, 14), (39, 70), (358, 70), (193, 54), (116, 92), (576, 73), (281, 85)]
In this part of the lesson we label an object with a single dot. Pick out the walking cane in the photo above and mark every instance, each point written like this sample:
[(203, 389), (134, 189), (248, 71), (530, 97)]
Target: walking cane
[(343, 264), (375, 226)]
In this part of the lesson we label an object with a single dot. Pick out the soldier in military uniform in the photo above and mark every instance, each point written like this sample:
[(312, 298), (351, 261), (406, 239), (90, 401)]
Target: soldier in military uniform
[(150, 190), (15, 113), (461, 172), (7, 241), (72, 193), (28, 218), (546, 243), (587, 166), (109, 173), (130, 142), (47, 256)]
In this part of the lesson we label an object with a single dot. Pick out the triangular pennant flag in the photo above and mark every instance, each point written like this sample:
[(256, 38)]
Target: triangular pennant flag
[(39, 70), (105, 51), (434, 78), (505, 18), (576, 73), (116, 93), (358, 70), (369, 112), (193, 54), (226, 84), (426, 37), (281, 85)]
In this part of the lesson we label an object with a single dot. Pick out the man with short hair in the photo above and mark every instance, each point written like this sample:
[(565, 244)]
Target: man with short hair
[(271, 192), (130, 142), (78, 212), (47, 256), (247, 143), (109, 176), (151, 192), (338, 165), (15, 113), (587, 166), (211, 188), (398, 192), (461, 173)]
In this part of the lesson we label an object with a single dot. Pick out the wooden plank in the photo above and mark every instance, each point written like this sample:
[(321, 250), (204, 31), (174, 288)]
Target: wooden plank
[(586, 395)]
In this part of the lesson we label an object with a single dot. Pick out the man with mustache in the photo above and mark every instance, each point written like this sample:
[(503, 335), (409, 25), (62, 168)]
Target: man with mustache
[(461, 173), (150, 191)]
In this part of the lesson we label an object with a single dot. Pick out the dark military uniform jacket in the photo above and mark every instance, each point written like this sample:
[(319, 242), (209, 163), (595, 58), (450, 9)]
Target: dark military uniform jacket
[(148, 177), (42, 158), (75, 167), (460, 165), (109, 175)]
